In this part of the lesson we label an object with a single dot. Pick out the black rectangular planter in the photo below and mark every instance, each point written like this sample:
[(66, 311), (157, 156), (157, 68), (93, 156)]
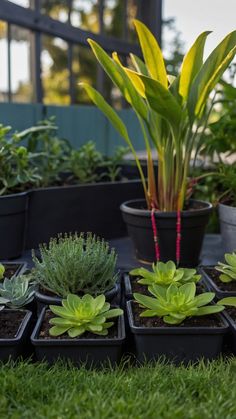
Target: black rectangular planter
[(231, 337), (18, 346), (91, 352), (91, 207), (177, 344), (211, 286)]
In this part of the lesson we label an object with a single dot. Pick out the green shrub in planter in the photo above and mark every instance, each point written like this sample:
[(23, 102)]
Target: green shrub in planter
[(165, 274), (79, 315), (75, 264)]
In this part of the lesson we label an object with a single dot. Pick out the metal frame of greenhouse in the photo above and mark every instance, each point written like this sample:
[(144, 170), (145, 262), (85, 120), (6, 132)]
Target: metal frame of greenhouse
[(149, 11)]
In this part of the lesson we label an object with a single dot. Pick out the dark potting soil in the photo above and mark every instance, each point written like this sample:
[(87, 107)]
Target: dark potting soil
[(232, 312), (215, 276), (44, 331), (10, 270), (203, 321), (10, 322), (143, 289)]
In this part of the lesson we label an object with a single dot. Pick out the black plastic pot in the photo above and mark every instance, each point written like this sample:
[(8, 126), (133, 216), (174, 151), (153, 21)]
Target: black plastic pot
[(19, 345), (44, 300), (20, 266), (231, 338), (81, 208), (92, 352), (194, 221), (178, 344), (211, 285), (13, 210)]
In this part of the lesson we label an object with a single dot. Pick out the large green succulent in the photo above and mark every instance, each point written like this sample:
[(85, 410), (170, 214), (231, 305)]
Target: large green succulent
[(2, 271), (228, 269), (16, 292), (175, 303), (78, 315), (166, 274)]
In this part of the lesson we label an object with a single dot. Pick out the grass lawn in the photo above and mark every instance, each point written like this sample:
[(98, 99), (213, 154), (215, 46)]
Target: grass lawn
[(159, 391)]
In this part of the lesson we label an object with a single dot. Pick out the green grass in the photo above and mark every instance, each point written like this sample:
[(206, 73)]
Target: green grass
[(160, 391)]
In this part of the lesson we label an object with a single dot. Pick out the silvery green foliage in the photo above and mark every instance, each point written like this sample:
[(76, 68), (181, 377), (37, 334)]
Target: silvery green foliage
[(166, 274), (78, 315), (174, 304), (16, 292), (228, 269), (75, 264)]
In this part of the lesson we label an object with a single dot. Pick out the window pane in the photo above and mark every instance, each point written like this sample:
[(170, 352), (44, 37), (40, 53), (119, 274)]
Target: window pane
[(114, 18), (84, 15), (56, 9), (84, 69), (4, 62), (55, 74), (21, 66)]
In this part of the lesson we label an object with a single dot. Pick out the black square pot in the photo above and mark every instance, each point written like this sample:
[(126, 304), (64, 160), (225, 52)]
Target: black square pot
[(19, 267), (19, 345), (212, 286), (177, 344), (231, 337), (91, 352)]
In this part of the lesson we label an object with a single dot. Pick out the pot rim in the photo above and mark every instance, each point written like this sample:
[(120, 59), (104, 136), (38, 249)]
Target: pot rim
[(175, 329), (14, 195), (125, 207), (227, 206)]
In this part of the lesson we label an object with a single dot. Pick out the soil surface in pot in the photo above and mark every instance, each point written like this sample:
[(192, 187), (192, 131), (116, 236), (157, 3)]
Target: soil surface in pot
[(143, 289), (215, 276), (188, 206), (10, 322), (212, 321), (232, 312), (10, 270), (44, 331)]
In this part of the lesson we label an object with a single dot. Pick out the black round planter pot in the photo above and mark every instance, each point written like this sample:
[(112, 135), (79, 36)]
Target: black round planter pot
[(13, 210), (193, 223)]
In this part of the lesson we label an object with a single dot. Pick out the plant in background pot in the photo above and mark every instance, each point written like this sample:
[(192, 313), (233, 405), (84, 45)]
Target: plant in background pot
[(16, 294), (227, 206), (81, 331), (221, 278), (176, 323), (173, 113), (75, 264)]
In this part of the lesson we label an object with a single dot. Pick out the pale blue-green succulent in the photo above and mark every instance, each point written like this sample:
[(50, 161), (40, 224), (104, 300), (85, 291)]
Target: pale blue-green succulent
[(16, 292)]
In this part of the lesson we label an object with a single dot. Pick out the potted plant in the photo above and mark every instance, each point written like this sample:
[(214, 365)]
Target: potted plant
[(74, 264), (16, 295), (164, 274), (80, 331), (173, 114), (221, 278), (227, 206), (176, 323)]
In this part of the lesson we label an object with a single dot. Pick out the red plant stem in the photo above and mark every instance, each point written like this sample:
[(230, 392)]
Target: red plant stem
[(178, 237), (155, 236)]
